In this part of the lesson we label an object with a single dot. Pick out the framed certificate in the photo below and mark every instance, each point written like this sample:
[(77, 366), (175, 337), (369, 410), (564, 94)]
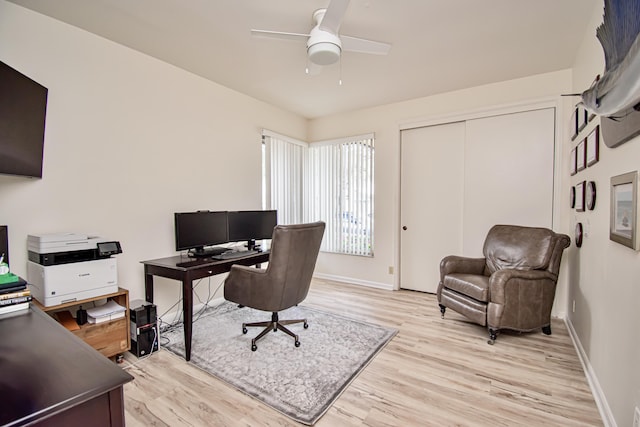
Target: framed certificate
[(580, 196), (581, 155), (593, 146)]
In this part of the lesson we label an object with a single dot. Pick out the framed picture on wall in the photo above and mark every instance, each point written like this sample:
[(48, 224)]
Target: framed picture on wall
[(572, 162), (581, 117), (623, 226), (590, 195), (580, 196), (593, 146), (581, 155), (573, 124)]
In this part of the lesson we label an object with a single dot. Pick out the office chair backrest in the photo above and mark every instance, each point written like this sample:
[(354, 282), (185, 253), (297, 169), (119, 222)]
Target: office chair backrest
[(294, 251)]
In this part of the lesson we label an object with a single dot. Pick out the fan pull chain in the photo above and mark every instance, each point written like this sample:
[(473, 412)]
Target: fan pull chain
[(340, 78)]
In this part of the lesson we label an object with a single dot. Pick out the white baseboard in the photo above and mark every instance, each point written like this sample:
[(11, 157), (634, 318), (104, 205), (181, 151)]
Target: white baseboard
[(592, 379), (353, 281)]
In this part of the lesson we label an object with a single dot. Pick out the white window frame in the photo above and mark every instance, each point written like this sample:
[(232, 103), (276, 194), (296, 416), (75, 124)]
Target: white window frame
[(330, 181)]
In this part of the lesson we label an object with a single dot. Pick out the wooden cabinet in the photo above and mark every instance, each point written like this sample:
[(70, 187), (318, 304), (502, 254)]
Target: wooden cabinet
[(109, 338), (50, 378)]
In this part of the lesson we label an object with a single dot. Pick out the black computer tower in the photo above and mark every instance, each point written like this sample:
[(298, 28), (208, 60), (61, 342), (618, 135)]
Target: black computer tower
[(145, 335)]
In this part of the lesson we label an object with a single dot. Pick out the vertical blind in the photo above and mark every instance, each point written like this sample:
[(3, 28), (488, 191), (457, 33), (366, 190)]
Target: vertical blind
[(285, 159), (330, 181)]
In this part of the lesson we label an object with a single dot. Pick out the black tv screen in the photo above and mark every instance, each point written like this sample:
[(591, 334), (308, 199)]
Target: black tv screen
[(197, 230), (251, 225), (23, 107)]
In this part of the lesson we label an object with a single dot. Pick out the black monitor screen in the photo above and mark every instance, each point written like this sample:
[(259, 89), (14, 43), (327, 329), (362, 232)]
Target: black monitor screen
[(196, 230), (251, 225)]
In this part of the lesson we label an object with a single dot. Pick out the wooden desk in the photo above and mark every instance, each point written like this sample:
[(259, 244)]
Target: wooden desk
[(50, 377), (186, 270)]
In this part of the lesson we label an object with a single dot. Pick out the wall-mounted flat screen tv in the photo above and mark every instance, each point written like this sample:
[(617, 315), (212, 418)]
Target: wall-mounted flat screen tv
[(23, 107)]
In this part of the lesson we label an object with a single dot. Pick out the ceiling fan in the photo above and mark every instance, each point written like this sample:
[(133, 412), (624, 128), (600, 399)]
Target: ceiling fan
[(324, 43)]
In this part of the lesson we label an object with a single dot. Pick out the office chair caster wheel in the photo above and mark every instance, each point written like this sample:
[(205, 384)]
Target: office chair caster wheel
[(297, 343), (305, 325), (254, 347), (244, 330)]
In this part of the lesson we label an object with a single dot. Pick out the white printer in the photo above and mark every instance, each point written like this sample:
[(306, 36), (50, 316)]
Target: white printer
[(67, 267)]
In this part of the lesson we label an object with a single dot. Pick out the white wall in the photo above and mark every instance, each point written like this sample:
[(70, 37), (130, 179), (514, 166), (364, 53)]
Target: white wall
[(386, 122), (604, 275), (129, 140)]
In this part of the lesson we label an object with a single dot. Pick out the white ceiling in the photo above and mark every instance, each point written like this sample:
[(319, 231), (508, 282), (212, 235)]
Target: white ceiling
[(437, 45)]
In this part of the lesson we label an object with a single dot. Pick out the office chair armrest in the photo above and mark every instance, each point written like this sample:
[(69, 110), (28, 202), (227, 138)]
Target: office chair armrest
[(242, 284), (246, 269)]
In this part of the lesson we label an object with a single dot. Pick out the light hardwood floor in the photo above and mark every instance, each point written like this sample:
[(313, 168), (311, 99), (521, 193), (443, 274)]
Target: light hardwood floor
[(435, 372)]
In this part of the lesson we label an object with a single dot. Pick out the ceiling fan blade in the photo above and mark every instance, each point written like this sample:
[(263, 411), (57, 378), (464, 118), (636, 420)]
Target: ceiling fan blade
[(355, 44), (333, 16), (279, 35)]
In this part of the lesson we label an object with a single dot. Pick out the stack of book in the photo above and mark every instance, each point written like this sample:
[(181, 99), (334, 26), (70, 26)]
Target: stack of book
[(104, 313), (14, 294)]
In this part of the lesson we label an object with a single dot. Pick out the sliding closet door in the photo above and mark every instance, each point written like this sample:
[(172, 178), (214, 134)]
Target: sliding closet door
[(459, 179), (508, 174), (432, 176)]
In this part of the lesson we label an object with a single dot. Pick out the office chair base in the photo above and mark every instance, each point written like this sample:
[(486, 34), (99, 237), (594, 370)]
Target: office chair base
[(274, 325)]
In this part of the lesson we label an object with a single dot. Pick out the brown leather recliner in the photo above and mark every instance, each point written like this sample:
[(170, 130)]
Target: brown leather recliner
[(284, 283), (512, 287)]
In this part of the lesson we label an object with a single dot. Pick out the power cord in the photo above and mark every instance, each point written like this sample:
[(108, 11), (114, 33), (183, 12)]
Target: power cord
[(176, 322)]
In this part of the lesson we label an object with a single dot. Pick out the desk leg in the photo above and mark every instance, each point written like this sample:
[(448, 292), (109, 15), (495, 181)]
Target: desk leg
[(187, 310), (148, 286)]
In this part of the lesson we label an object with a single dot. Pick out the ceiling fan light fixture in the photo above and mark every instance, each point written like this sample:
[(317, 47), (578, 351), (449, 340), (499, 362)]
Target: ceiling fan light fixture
[(324, 53)]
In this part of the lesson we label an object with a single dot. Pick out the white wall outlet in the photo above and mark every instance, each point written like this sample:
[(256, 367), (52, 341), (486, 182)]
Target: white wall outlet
[(636, 417), (391, 269)]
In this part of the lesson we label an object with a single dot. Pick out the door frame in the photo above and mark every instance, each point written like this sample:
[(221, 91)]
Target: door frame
[(479, 113)]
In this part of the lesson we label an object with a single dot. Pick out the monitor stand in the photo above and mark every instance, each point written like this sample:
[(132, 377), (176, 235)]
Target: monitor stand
[(208, 252), (251, 245)]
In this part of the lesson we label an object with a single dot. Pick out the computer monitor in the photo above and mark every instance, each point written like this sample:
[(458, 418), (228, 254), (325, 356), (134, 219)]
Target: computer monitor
[(197, 231), (251, 226)]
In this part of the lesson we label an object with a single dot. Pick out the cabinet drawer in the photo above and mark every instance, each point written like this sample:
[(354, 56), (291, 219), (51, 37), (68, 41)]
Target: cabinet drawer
[(109, 338)]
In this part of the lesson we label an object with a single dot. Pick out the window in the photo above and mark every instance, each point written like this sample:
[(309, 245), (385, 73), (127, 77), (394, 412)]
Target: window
[(330, 181), (284, 160)]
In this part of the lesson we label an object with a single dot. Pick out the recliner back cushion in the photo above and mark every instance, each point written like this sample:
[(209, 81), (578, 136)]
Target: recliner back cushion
[(516, 247)]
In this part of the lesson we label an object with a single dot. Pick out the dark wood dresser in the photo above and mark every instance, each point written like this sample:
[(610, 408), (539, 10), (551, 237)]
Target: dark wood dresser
[(50, 377)]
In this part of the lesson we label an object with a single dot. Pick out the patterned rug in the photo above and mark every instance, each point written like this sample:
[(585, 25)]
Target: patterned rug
[(301, 382)]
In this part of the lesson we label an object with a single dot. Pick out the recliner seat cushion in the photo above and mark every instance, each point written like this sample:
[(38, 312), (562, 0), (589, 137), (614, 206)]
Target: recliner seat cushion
[(518, 248), (472, 285)]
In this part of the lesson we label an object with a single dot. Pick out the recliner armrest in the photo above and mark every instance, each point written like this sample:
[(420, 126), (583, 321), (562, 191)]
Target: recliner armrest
[(499, 281), (459, 264)]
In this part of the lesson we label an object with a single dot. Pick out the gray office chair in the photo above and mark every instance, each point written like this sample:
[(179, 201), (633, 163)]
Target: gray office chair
[(284, 283)]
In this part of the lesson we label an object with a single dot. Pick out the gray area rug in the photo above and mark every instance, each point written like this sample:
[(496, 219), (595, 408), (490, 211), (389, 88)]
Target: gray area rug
[(301, 382)]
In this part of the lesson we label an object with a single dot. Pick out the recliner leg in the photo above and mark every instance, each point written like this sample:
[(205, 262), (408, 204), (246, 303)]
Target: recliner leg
[(442, 310), (493, 335), (546, 330)]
